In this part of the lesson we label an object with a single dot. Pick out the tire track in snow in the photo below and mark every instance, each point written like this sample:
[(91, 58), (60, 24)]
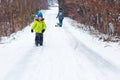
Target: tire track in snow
[(95, 58)]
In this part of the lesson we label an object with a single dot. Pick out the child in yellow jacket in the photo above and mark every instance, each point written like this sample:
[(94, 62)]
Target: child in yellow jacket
[(39, 27)]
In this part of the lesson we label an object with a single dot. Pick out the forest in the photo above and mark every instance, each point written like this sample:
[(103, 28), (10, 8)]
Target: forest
[(103, 15), (16, 14)]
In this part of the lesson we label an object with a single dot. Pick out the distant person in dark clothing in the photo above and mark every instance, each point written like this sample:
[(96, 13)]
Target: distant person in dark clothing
[(60, 16)]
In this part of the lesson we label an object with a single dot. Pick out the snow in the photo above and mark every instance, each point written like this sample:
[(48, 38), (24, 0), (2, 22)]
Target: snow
[(68, 53)]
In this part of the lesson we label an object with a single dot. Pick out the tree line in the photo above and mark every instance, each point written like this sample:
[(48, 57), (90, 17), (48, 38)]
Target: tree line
[(16, 14), (103, 15)]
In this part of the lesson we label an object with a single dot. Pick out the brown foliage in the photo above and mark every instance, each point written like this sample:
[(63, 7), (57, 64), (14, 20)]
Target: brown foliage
[(96, 13), (16, 14)]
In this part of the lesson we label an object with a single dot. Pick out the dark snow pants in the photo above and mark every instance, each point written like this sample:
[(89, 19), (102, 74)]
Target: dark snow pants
[(39, 39)]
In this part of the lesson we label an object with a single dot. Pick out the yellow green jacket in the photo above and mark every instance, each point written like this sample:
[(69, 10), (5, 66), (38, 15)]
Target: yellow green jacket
[(38, 26)]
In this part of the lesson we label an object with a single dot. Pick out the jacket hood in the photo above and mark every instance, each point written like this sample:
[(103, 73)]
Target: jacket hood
[(39, 20)]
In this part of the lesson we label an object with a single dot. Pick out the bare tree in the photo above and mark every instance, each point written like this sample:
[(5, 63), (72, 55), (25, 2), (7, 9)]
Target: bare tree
[(96, 13), (16, 14)]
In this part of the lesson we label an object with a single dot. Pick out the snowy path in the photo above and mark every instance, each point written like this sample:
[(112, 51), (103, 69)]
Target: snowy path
[(63, 57)]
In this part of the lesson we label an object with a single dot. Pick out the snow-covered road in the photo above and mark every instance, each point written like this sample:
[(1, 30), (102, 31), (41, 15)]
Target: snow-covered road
[(63, 56)]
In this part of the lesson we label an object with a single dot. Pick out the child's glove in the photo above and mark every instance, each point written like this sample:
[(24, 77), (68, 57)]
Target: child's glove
[(32, 30), (43, 31)]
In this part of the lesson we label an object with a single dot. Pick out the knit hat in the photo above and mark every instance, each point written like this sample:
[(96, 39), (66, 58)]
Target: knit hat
[(40, 14)]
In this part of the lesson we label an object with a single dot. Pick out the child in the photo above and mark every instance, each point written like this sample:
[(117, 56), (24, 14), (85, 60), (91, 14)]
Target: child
[(39, 28)]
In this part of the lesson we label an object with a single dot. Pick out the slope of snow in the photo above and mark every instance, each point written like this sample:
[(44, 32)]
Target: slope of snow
[(109, 50), (68, 54)]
